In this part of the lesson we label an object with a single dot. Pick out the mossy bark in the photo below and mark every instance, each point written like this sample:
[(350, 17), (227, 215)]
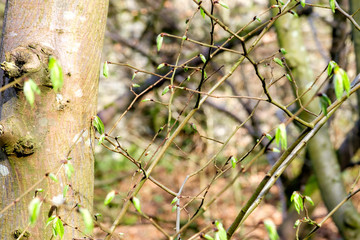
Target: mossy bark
[(320, 149), (38, 140)]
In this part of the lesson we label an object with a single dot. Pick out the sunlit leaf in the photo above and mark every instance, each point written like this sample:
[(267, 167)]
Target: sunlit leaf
[(283, 51), (53, 177), (221, 232), (58, 227), (202, 12), (106, 69), (288, 77), (233, 161), (307, 198), (88, 220), (69, 169), (159, 41), (98, 124), (278, 61), (203, 58), (271, 230), (65, 190), (332, 5), (166, 89), (56, 74), (135, 85), (34, 210), (109, 197), (175, 199), (101, 139), (331, 66), (224, 4), (297, 200), (207, 237), (302, 2), (161, 65), (133, 76), (136, 203), (281, 136), (338, 83)]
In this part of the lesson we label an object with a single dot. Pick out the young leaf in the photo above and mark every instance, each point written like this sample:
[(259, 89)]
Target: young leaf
[(166, 89), (161, 65), (53, 177), (207, 237), (56, 74), (65, 190), (174, 200), (271, 230), (283, 51), (331, 67), (278, 61), (34, 210), (258, 19), (202, 12), (159, 41), (332, 5), (146, 100), (203, 58), (307, 198), (345, 80), (298, 202), (50, 219), (288, 77), (296, 224), (233, 161), (136, 203), (101, 139), (58, 228), (133, 76), (324, 103), (88, 220), (224, 5), (268, 136), (221, 232), (106, 69), (109, 197), (280, 136), (98, 124), (135, 85), (338, 83), (276, 150), (69, 169), (302, 2)]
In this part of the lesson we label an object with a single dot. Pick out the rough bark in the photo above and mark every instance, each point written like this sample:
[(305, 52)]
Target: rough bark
[(39, 140), (320, 149)]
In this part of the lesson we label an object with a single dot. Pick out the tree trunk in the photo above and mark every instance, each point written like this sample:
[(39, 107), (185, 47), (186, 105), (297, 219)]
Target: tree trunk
[(320, 149), (39, 140)]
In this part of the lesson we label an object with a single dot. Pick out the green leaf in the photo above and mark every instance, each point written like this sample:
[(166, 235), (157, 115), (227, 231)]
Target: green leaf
[(271, 230), (53, 177), (302, 2), (56, 74), (224, 5), (298, 202), (276, 150), (175, 199), (50, 219), (136, 203), (297, 223), (34, 210), (203, 58), (294, 13), (202, 12), (338, 83), (161, 65), (30, 88), (307, 198), (332, 5), (221, 232), (106, 69), (159, 41), (69, 169), (283, 51), (101, 139), (268, 136), (288, 77), (135, 85), (233, 161), (324, 103), (65, 190), (278, 61), (109, 197), (258, 19), (58, 228), (173, 209), (331, 67), (166, 89), (146, 100), (207, 237), (345, 80), (188, 78), (184, 37), (205, 75), (88, 220), (133, 76), (280, 136), (98, 124)]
